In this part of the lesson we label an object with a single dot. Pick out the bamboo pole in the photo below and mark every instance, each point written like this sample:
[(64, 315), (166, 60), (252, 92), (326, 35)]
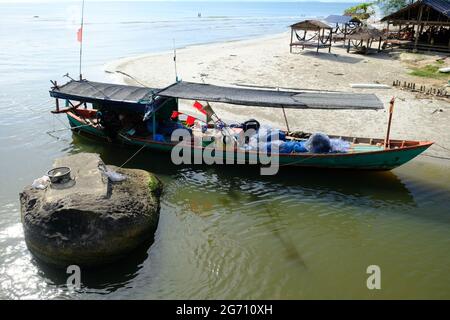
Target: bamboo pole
[(81, 39), (391, 111), (286, 120)]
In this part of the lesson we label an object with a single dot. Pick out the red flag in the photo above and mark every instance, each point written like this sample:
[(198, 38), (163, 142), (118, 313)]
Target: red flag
[(174, 115), (190, 120), (199, 107), (80, 35)]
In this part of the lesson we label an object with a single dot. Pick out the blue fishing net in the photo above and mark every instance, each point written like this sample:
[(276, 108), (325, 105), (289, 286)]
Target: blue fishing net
[(339, 145), (318, 143)]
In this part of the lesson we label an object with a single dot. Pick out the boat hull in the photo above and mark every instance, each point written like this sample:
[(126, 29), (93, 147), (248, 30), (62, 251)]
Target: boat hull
[(371, 160)]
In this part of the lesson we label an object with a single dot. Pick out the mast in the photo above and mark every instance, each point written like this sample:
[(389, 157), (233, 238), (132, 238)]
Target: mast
[(80, 38), (175, 60)]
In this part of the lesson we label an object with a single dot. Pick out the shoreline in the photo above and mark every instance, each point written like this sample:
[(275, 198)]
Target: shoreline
[(266, 61)]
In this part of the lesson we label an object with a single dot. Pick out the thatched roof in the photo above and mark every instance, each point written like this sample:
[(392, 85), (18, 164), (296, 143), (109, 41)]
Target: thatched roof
[(312, 25), (434, 12), (365, 33)]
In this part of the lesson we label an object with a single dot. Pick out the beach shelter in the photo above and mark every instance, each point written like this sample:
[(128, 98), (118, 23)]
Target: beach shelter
[(343, 26), (312, 34), (363, 37), (422, 25)]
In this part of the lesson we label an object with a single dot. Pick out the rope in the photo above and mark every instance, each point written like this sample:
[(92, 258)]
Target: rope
[(437, 157), (304, 37), (442, 147), (326, 39), (69, 128), (135, 154), (131, 77)]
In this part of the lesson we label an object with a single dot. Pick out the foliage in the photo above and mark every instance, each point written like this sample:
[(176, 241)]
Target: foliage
[(361, 11), (390, 6), (429, 71)]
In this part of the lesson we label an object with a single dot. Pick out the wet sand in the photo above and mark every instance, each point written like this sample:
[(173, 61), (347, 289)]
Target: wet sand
[(267, 62)]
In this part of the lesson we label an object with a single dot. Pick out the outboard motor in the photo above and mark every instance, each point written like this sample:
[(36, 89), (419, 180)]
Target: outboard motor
[(251, 124)]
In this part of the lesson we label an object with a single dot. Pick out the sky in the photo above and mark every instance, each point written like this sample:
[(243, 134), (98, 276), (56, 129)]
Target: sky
[(41, 1)]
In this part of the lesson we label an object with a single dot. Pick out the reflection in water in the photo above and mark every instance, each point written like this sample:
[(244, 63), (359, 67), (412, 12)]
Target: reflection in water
[(101, 280)]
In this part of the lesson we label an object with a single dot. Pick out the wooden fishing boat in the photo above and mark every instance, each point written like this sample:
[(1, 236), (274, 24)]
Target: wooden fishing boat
[(85, 100)]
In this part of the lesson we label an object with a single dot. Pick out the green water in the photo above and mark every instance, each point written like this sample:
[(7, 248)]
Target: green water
[(230, 233)]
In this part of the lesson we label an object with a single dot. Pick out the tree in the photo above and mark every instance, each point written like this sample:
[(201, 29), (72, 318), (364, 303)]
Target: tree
[(390, 6), (361, 11)]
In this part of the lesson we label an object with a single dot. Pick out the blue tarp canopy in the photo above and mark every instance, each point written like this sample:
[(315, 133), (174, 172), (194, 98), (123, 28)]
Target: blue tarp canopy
[(338, 19)]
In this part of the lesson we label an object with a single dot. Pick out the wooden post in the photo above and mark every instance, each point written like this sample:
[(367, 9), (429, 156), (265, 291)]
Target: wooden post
[(331, 39), (318, 40), (286, 120), (345, 32), (419, 19), (391, 111), (57, 100), (292, 37)]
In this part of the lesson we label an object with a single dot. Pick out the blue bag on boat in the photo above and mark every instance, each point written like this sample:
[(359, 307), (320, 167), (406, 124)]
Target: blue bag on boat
[(268, 135), (159, 138), (293, 146), (274, 146), (287, 147), (299, 147)]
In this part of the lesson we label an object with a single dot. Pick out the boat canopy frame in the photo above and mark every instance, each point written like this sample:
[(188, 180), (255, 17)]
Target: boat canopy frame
[(139, 97)]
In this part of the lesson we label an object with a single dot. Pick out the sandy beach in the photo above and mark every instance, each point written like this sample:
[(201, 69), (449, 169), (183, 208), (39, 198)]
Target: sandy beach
[(267, 62)]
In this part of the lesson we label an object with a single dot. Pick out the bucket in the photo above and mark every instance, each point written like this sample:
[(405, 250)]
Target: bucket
[(59, 175)]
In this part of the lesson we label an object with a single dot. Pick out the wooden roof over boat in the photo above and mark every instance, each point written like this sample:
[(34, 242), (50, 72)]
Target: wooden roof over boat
[(311, 25), (272, 98), (88, 91)]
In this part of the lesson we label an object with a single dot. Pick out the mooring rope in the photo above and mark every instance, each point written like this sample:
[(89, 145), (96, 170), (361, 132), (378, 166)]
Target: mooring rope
[(135, 154), (131, 77), (442, 147)]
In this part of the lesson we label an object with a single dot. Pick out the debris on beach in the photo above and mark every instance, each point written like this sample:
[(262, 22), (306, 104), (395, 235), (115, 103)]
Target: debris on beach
[(430, 91)]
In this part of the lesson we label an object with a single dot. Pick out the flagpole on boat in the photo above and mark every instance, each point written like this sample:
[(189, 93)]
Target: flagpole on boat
[(80, 37), (175, 60), (387, 143)]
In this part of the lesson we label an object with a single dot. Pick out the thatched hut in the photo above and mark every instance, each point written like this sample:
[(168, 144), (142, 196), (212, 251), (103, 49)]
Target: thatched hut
[(422, 25), (320, 38), (363, 37)]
